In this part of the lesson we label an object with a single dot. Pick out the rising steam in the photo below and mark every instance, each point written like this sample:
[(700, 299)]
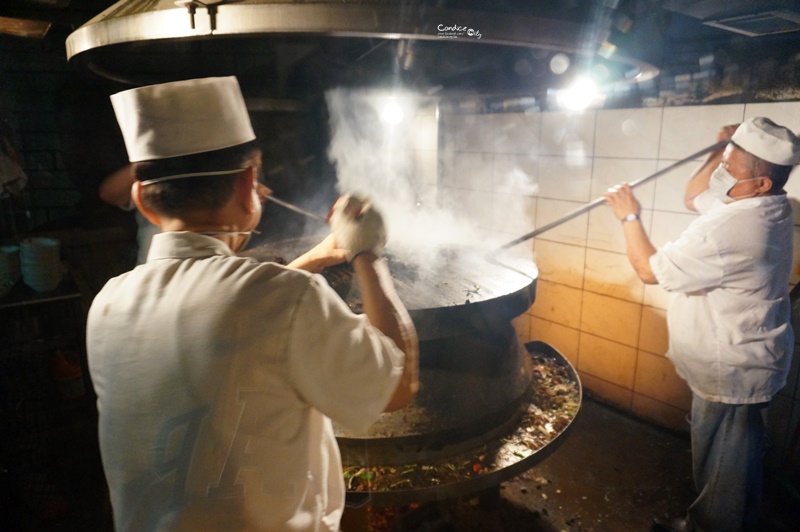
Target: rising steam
[(376, 150)]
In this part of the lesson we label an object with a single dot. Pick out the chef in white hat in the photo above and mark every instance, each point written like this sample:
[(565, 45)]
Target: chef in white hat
[(218, 377), (730, 335)]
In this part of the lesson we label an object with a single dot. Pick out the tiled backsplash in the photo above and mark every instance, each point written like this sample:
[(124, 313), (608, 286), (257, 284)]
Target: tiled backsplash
[(590, 305)]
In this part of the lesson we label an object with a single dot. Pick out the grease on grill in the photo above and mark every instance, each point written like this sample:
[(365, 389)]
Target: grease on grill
[(340, 278), (554, 400), (449, 278)]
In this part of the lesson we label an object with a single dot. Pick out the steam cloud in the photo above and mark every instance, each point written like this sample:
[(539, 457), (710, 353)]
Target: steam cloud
[(374, 152)]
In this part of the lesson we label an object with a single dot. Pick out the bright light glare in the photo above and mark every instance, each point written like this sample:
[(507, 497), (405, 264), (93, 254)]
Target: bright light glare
[(579, 95), (391, 112)]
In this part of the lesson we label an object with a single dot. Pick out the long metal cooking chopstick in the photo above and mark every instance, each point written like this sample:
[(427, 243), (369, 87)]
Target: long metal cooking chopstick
[(600, 201), (296, 209)]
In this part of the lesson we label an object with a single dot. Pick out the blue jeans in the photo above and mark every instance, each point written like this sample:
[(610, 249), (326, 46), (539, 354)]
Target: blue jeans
[(727, 454)]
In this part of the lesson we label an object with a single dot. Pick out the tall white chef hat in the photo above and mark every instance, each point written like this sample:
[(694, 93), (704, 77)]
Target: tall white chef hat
[(182, 118), (767, 140)]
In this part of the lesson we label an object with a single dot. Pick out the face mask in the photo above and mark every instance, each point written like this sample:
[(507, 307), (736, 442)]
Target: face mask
[(722, 182)]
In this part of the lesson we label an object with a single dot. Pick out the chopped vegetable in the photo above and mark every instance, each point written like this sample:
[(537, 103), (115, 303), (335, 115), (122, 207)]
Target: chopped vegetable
[(554, 400)]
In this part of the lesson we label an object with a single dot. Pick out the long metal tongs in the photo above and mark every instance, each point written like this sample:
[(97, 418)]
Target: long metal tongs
[(295, 208), (600, 201)]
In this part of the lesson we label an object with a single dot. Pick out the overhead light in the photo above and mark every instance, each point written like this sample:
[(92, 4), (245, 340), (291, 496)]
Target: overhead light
[(391, 112), (21, 27), (579, 95)]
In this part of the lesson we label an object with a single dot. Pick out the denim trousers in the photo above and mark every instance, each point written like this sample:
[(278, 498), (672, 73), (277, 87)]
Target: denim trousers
[(728, 443)]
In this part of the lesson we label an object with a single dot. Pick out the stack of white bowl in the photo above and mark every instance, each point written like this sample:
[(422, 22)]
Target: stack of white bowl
[(9, 268), (41, 263)]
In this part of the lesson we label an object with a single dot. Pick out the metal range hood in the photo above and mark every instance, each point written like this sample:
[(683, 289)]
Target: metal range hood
[(286, 49)]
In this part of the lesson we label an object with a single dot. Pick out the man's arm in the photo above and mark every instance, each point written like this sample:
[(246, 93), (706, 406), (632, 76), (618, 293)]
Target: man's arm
[(358, 228), (699, 181), (387, 314), (639, 250), (320, 256), (116, 188), (638, 245)]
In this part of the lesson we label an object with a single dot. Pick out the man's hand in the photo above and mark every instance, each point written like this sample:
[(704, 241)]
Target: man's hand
[(622, 201), (699, 180), (357, 226), (726, 133)]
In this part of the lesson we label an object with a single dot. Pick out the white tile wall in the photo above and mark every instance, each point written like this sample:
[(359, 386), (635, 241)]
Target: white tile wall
[(792, 188), (512, 214), (516, 174), (571, 232), (609, 172), (516, 132), (687, 130), (668, 194), (426, 167), (425, 133), (470, 206), (610, 274), (511, 173), (569, 135), (558, 303), (564, 178), (605, 230), (560, 263), (784, 113), (468, 133), (471, 171), (630, 133), (795, 275)]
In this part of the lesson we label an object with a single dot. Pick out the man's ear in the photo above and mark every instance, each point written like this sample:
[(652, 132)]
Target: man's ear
[(764, 185), (246, 189), (136, 196)]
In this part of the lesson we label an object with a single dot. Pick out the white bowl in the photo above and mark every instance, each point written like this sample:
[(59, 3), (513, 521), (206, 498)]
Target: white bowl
[(42, 283)]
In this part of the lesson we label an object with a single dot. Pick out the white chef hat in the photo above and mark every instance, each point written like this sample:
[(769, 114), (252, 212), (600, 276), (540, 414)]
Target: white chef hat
[(767, 140), (182, 118)]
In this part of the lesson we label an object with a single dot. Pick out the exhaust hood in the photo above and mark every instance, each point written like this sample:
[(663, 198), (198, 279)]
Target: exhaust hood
[(285, 49), (753, 18)]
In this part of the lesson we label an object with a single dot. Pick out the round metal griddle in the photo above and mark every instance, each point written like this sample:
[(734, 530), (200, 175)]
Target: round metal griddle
[(508, 456), (475, 374), (460, 290)]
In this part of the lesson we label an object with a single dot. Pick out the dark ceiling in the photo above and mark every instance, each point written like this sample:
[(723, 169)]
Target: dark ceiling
[(703, 50), (696, 63)]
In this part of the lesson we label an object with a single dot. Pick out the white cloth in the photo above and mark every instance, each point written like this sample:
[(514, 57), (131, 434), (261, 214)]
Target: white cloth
[(217, 378), (730, 335), (357, 226)]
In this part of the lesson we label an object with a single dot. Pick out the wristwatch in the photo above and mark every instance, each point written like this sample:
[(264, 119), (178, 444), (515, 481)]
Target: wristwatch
[(630, 218)]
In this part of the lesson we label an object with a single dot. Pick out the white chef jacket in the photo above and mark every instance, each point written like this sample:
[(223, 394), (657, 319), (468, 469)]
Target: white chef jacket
[(217, 378), (730, 335)]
